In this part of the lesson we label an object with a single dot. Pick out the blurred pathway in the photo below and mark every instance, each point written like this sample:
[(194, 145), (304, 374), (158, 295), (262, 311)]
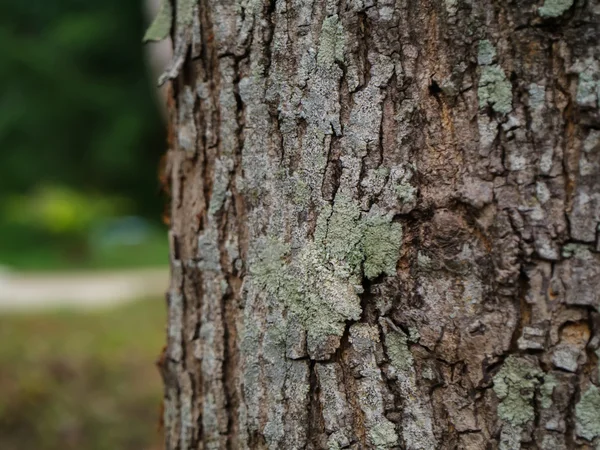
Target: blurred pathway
[(33, 291)]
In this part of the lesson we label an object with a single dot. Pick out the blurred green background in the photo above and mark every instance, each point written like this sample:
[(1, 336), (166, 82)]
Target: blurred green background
[(81, 136)]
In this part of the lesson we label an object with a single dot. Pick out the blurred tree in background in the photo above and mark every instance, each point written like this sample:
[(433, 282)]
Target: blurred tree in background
[(78, 110)]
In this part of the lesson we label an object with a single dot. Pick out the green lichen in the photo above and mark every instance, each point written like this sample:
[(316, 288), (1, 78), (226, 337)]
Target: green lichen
[(515, 386), (331, 42), (413, 334), (451, 6), (320, 282), (575, 249), (396, 343), (301, 193), (381, 244), (597, 352), (588, 87), (161, 25), (383, 435), (495, 89), (587, 418), (270, 264), (333, 445), (345, 232), (554, 8), (485, 53), (424, 262), (185, 12), (308, 287), (550, 382), (380, 175), (405, 192), (351, 240), (219, 192)]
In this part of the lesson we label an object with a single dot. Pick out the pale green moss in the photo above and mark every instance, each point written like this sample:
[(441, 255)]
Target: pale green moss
[(396, 343), (381, 244), (485, 53), (331, 42), (554, 8), (495, 89), (515, 386), (161, 25), (587, 416)]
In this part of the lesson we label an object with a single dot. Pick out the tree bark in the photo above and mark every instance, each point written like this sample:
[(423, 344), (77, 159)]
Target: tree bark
[(384, 225)]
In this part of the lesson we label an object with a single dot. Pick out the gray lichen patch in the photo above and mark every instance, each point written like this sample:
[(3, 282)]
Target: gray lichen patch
[(381, 244), (554, 8), (588, 87), (397, 349), (331, 42), (313, 293), (406, 192), (350, 240), (547, 389), (485, 53), (320, 282), (423, 261), (417, 422), (587, 418), (345, 232), (515, 386), (495, 90), (383, 435), (370, 386), (219, 192)]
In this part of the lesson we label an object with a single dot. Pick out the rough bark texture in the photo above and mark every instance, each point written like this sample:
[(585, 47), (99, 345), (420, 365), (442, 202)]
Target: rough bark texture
[(384, 225)]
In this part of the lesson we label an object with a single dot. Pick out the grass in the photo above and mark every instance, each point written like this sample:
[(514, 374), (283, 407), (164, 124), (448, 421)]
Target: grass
[(81, 380)]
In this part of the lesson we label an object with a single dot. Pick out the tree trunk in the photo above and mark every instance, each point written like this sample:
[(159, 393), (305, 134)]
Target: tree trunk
[(384, 225)]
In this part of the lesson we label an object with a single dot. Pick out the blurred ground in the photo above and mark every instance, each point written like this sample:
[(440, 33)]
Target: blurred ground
[(81, 232), (81, 290), (81, 380)]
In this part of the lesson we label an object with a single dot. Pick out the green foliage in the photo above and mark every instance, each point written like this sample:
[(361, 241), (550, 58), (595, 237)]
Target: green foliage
[(59, 210), (79, 104), (161, 26), (72, 380)]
